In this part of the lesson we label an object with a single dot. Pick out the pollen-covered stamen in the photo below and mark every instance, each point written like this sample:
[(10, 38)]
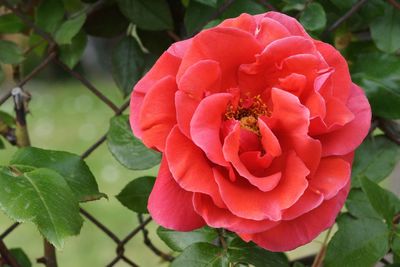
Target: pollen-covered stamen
[(247, 112)]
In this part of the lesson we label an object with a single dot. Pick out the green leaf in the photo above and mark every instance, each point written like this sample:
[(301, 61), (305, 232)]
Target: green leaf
[(2, 146), (358, 205), (127, 64), (127, 149), (155, 41), (385, 30), (135, 194), (297, 5), (201, 255), (178, 241), (106, 21), (395, 244), (148, 15), (6, 119), (357, 243), (21, 257), (2, 75), (374, 159), (382, 85), (313, 18), (10, 53), (238, 7), (70, 166), (384, 202), (344, 5), (11, 23), (43, 197), (49, 15), (69, 29), (196, 16), (71, 54), (242, 252), (212, 3)]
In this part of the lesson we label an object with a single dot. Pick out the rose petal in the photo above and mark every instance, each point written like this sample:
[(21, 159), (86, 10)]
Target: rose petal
[(332, 175), (307, 202), (206, 123), (294, 233), (292, 25), (226, 42), (258, 205), (271, 30), (350, 136), (166, 65), (191, 170), (204, 76), (244, 22), (157, 115), (171, 206), (340, 78), (231, 153), (222, 218)]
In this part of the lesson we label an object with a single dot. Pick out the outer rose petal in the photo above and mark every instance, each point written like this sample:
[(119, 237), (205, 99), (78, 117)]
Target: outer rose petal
[(157, 116), (271, 30), (188, 165), (218, 217), (294, 233), (171, 206), (293, 26), (349, 137), (244, 22), (166, 65), (340, 78), (308, 201), (230, 47), (332, 175)]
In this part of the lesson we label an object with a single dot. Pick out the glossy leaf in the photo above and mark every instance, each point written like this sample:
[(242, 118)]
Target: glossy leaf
[(375, 159), (127, 64), (49, 15), (135, 194), (201, 255), (242, 252), (358, 242), (212, 3), (10, 53), (69, 29), (148, 15), (383, 201), (178, 241), (313, 18), (196, 16), (155, 41), (43, 197), (11, 23), (106, 21), (72, 53), (379, 75), (385, 30), (20, 256), (358, 205), (127, 149), (70, 166)]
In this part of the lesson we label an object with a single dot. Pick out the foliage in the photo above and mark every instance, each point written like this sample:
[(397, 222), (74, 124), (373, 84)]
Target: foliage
[(47, 187)]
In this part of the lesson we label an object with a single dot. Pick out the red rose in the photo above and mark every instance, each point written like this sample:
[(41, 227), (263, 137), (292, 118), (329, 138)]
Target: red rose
[(257, 123)]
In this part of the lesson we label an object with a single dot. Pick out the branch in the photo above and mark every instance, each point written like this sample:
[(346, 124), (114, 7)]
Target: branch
[(346, 16), (7, 256), (394, 3), (150, 244), (89, 85)]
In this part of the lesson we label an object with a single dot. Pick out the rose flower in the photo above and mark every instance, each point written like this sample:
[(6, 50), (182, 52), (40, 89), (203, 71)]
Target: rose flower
[(257, 123)]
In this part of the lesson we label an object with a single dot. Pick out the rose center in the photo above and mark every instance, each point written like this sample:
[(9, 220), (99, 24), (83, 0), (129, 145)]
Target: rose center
[(247, 112)]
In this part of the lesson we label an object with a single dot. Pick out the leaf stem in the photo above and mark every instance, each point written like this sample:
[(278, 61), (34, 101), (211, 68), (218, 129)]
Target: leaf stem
[(321, 254)]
